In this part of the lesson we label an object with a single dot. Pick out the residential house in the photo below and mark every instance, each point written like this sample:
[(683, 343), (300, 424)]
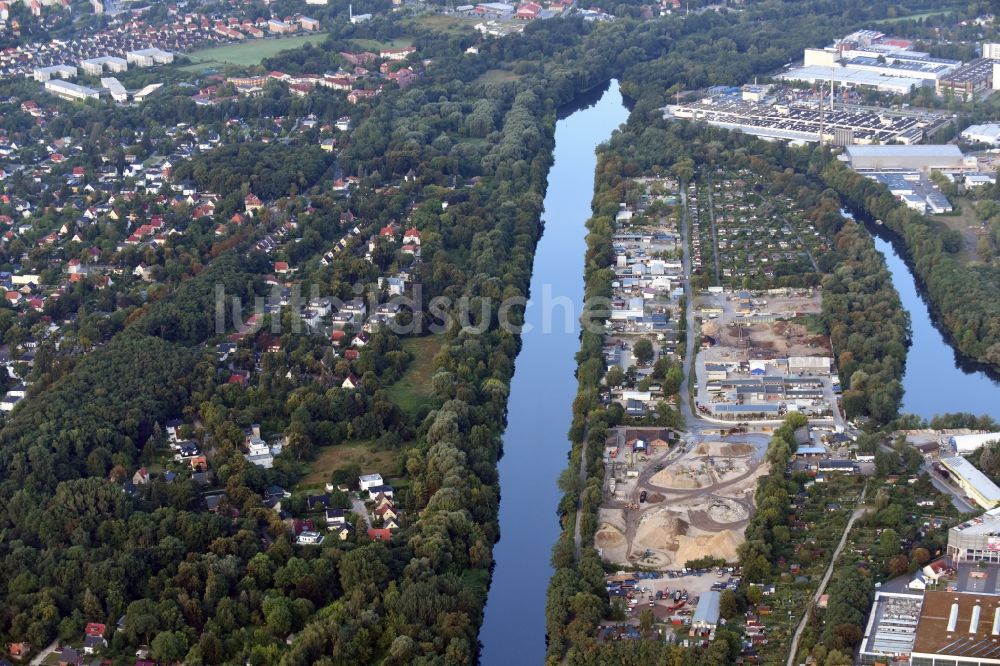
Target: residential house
[(335, 518), (317, 502), (70, 657), (375, 491), (309, 538), (252, 203), (366, 481), (376, 534), (19, 651)]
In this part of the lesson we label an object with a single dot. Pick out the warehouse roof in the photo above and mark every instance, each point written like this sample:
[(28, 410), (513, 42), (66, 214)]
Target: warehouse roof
[(973, 477), (932, 150), (707, 612), (958, 624), (988, 523)]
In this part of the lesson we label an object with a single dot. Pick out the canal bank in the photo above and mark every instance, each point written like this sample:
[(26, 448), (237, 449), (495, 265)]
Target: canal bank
[(542, 391), (938, 380)]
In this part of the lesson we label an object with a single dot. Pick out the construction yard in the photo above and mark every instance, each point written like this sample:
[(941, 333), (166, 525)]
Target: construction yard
[(759, 359), (666, 507)]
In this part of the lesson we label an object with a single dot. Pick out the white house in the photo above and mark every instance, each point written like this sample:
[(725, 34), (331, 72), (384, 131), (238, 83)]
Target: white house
[(309, 538), (366, 481)]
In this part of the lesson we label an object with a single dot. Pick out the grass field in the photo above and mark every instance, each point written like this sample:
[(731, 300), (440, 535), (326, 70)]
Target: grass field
[(413, 390), (375, 45), (915, 17), (248, 53), (362, 453), (497, 76)]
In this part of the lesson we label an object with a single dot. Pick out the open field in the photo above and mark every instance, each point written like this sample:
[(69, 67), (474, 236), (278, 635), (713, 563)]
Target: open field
[(330, 458), (497, 76), (914, 17), (375, 45), (413, 390), (967, 224), (443, 23), (248, 53)]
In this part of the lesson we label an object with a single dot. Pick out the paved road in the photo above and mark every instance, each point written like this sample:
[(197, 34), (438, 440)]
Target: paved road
[(858, 512), (358, 507), (40, 657), (685, 395), (957, 499)]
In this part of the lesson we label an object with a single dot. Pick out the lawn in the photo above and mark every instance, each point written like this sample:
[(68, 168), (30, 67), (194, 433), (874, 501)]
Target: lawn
[(248, 53), (375, 45), (336, 456), (915, 17), (413, 390), (497, 76)]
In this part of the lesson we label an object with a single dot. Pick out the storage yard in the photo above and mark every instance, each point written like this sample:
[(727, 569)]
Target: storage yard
[(759, 360), (667, 506)]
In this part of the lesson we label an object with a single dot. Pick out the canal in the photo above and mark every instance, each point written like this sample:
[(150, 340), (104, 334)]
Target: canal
[(540, 406), (936, 380)]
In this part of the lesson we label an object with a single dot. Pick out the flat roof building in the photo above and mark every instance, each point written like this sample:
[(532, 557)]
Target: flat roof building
[(986, 133), (43, 74), (976, 540), (957, 627), (974, 483), (115, 87), (96, 66), (923, 157), (706, 615), (859, 78), (968, 79), (71, 91), (149, 57), (892, 627)]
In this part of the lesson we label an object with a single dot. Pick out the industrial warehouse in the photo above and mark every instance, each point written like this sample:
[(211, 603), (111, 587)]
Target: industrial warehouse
[(976, 540), (973, 483), (927, 157), (937, 627), (797, 116)]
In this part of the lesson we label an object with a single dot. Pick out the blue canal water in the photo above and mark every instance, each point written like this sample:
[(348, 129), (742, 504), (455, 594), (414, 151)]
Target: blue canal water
[(542, 391), (936, 380)]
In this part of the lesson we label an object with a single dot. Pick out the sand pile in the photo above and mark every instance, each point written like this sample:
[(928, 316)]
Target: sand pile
[(680, 477), (722, 544), (609, 536), (660, 530), (709, 328), (736, 450)]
